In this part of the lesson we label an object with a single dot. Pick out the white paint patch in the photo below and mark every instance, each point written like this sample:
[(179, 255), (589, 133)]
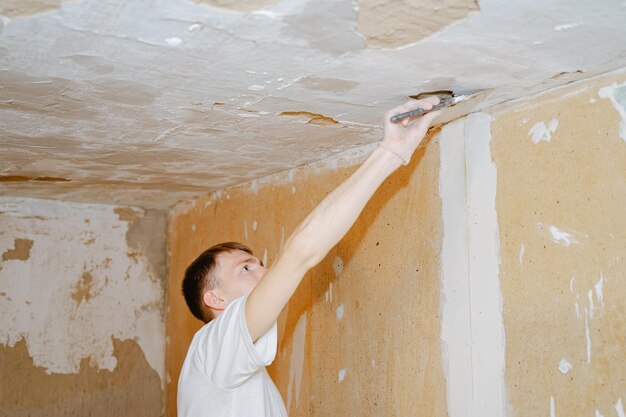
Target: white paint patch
[(617, 95), (254, 225), (562, 237), (552, 410), (566, 26), (598, 413), (540, 132), (587, 336), (455, 324), (571, 284), (619, 408), (297, 360), (256, 87), (592, 100), (337, 265), (293, 189), (173, 41), (339, 312), (342, 374), (265, 258), (487, 326), (599, 291), (591, 306), (193, 227), (565, 366), (577, 309), (125, 299), (521, 254)]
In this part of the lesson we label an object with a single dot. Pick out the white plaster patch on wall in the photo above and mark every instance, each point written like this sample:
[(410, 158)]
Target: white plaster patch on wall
[(455, 323), (254, 225), (521, 253), (542, 132), (339, 312), (488, 357), (619, 408), (599, 290), (70, 298), (265, 258), (563, 237), (342, 374), (617, 95), (564, 366), (552, 407), (296, 365)]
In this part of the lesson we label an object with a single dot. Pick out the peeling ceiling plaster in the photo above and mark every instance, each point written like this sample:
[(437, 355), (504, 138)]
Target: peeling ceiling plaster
[(147, 103)]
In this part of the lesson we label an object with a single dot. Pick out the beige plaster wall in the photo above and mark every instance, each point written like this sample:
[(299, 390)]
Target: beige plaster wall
[(82, 328), (561, 198), (361, 334)]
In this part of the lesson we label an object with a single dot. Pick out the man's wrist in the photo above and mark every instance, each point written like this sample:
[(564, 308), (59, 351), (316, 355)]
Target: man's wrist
[(405, 160)]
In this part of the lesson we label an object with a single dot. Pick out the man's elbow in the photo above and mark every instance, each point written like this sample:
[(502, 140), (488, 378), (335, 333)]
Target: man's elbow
[(303, 250)]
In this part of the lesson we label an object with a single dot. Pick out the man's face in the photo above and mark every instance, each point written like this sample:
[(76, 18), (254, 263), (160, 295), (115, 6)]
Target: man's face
[(238, 273)]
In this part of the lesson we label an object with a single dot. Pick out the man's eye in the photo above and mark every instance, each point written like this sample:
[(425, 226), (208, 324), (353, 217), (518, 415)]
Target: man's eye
[(246, 268)]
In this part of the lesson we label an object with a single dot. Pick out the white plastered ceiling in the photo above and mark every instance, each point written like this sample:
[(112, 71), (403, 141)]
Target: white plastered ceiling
[(148, 103)]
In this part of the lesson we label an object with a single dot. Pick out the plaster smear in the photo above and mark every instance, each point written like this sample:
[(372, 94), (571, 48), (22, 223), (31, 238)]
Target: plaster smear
[(82, 286), (388, 24), (540, 132), (488, 355), (617, 94), (239, 6)]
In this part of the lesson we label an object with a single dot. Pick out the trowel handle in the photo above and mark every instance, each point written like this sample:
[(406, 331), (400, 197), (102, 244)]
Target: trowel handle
[(418, 112)]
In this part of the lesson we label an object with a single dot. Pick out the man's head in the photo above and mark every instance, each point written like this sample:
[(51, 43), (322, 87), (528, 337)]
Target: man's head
[(218, 276)]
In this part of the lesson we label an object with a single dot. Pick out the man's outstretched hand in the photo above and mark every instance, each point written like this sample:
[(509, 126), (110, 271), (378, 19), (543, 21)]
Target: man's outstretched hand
[(403, 138)]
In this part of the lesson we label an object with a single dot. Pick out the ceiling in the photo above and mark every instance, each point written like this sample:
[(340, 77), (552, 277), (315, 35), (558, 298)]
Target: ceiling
[(148, 103)]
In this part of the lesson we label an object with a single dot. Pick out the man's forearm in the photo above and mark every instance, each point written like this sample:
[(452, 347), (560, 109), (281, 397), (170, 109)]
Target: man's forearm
[(324, 227), (314, 238)]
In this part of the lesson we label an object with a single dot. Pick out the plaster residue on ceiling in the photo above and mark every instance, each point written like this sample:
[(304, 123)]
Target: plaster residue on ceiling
[(150, 103), (13, 8), (393, 23), (240, 6)]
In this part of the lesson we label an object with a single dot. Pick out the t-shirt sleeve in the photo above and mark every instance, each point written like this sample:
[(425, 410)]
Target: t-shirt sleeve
[(225, 349)]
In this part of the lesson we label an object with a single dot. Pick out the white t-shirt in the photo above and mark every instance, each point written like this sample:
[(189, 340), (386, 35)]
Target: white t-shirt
[(224, 372)]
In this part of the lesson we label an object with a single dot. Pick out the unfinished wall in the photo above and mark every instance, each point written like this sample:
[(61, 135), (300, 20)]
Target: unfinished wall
[(81, 309), (361, 335), (561, 201)]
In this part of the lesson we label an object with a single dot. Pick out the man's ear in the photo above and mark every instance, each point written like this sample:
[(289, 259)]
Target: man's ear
[(213, 300)]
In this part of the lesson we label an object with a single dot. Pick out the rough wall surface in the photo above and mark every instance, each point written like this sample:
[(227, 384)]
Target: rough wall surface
[(361, 334), (560, 201), (81, 309)]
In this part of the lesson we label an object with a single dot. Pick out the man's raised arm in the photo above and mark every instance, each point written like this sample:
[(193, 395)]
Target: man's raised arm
[(324, 227)]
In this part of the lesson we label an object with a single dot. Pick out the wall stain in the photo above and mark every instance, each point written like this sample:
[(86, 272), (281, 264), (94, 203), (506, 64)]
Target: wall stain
[(20, 251), (132, 389)]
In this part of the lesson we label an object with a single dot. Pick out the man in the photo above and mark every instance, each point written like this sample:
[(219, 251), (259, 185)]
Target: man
[(239, 299)]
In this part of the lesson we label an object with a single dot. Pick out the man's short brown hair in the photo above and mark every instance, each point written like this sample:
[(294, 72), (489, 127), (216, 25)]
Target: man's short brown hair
[(200, 277)]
